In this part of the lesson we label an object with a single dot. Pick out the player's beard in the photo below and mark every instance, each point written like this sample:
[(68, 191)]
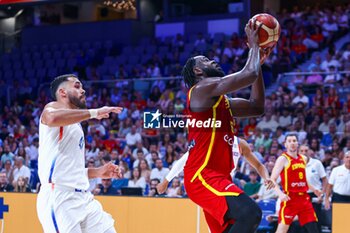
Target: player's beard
[(214, 72), (77, 102)]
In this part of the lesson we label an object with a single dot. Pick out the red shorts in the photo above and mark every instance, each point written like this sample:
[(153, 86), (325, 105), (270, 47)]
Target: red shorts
[(299, 205), (208, 191)]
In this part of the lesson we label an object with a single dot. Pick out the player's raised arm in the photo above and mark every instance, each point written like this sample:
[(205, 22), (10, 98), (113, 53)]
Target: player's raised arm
[(198, 69)]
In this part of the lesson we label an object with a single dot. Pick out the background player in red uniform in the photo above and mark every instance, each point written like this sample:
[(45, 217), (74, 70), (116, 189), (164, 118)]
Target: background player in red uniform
[(207, 170), (295, 201)]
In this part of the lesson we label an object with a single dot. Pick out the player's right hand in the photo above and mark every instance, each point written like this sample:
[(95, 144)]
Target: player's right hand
[(105, 111), (161, 188), (284, 197), (251, 29), (327, 204), (269, 184)]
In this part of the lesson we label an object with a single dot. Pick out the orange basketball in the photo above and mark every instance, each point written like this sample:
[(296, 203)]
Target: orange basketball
[(270, 31)]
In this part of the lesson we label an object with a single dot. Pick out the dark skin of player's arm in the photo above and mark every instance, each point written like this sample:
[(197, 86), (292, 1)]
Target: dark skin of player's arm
[(205, 93)]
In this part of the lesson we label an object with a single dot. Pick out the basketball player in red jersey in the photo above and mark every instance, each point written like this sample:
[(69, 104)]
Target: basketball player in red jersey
[(295, 201), (207, 170)]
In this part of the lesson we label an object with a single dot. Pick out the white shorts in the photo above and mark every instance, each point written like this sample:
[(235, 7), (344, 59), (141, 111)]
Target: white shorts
[(66, 211)]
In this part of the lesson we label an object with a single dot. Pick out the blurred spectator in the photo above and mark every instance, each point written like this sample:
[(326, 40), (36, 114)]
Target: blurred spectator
[(314, 132), (136, 179), (159, 172), (33, 153), (145, 170), (252, 187), (139, 146), (139, 156), (265, 140), (93, 151), (155, 94), (21, 185), (8, 169), (250, 127), (170, 155), (268, 122), (106, 188), (285, 118), (7, 155), (5, 186), (324, 126), (301, 97), (20, 170), (200, 41), (332, 100), (153, 187), (121, 72), (331, 136), (339, 183), (314, 78), (330, 62), (132, 138), (332, 78), (175, 189)]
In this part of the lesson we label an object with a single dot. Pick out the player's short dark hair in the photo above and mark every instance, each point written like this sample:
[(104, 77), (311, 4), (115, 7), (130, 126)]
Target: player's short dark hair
[(291, 135), (57, 82), (188, 73)]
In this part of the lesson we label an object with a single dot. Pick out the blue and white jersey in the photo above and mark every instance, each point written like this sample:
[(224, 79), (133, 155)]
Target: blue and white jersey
[(236, 153), (62, 156)]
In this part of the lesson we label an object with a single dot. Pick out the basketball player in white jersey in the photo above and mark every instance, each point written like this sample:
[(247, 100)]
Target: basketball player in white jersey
[(239, 147), (63, 204)]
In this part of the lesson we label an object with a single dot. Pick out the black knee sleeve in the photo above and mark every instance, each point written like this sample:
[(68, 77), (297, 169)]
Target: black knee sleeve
[(244, 211), (311, 227)]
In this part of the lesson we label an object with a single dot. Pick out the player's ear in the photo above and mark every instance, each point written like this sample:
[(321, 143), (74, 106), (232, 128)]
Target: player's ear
[(197, 71), (62, 92)]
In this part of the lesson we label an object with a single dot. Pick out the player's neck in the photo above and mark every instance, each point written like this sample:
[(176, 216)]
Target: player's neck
[(293, 154)]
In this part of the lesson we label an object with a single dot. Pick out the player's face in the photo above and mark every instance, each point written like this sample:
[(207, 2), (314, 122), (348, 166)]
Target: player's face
[(347, 159), (210, 68), (291, 144), (76, 93), (303, 150)]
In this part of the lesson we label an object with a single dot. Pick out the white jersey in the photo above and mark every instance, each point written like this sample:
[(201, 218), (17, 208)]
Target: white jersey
[(61, 156), (179, 165), (236, 153)]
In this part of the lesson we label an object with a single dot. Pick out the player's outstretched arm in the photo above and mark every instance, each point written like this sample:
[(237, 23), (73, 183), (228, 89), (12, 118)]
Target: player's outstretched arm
[(175, 170), (109, 170), (55, 114), (212, 87), (252, 160), (279, 165)]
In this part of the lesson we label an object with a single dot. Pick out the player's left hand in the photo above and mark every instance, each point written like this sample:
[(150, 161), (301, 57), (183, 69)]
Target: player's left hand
[(265, 53), (318, 193), (110, 170), (269, 184)]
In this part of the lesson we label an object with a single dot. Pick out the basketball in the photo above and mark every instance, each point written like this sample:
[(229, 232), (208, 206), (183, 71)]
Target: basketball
[(270, 31)]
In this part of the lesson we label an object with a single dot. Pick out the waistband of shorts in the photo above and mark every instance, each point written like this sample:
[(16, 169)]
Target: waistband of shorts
[(300, 194), (63, 188)]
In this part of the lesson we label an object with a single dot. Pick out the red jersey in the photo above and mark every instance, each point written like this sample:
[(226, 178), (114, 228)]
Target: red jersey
[(211, 146), (293, 177)]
